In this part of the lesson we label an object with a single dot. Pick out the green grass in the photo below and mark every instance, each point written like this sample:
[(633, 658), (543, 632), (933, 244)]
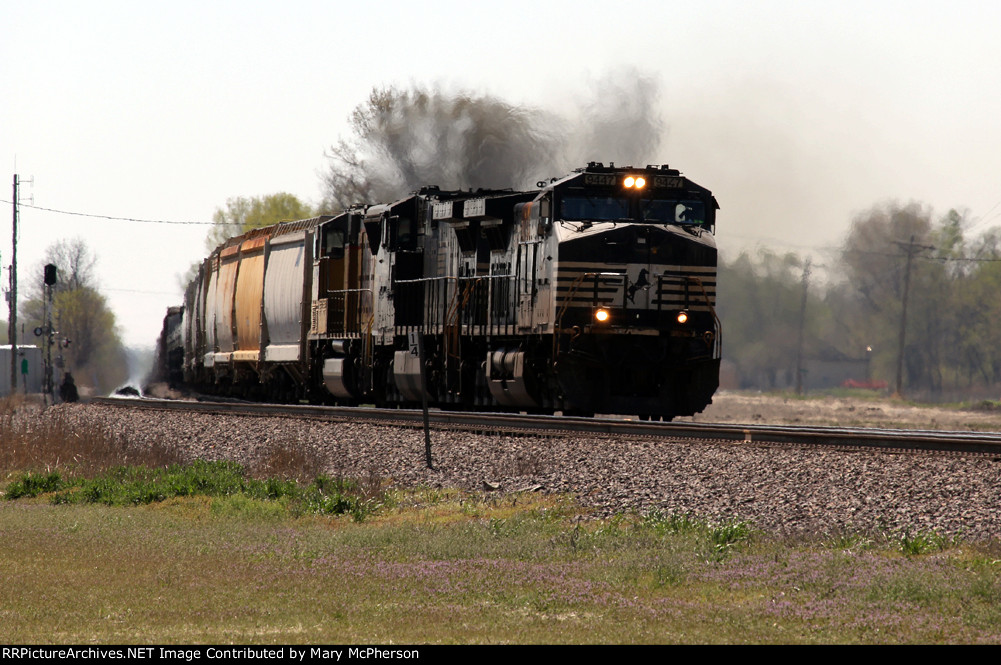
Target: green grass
[(139, 485), (108, 542), (220, 564)]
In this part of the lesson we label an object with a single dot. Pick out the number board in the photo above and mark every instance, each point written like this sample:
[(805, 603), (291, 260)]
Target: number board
[(442, 210), (474, 208), (600, 179), (668, 182)]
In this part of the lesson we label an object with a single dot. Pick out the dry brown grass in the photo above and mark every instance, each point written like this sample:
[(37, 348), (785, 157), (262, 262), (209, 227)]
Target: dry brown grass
[(289, 462), (36, 438)]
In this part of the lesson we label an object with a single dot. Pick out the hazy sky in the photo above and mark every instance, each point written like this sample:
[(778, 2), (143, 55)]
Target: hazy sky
[(797, 115)]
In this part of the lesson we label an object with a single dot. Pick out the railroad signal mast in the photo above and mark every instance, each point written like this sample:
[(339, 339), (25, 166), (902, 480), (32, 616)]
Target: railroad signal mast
[(49, 281)]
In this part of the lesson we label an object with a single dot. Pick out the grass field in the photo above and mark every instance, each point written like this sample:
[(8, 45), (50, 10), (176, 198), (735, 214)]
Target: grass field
[(121, 552)]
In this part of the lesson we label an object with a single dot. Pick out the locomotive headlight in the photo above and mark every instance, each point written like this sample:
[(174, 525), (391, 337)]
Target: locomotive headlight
[(634, 182), (682, 317), (601, 315), (640, 183), (629, 182)]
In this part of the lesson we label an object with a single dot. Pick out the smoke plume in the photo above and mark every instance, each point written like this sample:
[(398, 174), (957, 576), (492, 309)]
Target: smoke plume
[(620, 121), (404, 139)]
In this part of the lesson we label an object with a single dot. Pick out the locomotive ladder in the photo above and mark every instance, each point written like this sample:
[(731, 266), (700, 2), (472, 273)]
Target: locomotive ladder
[(453, 326)]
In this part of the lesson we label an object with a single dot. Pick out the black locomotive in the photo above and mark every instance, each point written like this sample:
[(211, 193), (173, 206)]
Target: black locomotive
[(594, 293)]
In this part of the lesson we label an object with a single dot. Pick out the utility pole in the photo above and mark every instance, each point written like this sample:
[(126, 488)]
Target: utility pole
[(12, 319), (911, 248), (12, 293), (802, 326)]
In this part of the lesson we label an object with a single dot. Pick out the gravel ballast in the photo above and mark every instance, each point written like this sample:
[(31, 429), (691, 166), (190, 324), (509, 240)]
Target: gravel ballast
[(782, 490)]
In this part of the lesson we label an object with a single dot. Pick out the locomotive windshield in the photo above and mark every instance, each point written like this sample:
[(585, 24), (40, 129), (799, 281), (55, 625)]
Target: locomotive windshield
[(611, 209), (673, 212), (595, 208)]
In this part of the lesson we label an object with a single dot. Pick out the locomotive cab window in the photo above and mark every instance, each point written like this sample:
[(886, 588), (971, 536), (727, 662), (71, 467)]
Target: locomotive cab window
[(687, 212), (607, 208), (333, 243), (401, 233), (374, 230)]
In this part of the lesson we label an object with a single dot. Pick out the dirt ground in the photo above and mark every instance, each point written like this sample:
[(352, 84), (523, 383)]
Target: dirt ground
[(756, 408)]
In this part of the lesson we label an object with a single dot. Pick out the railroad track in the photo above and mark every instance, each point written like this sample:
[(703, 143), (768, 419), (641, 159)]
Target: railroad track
[(894, 439)]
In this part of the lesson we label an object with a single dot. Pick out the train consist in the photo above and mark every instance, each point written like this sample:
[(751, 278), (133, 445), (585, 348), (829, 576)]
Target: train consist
[(593, 294)]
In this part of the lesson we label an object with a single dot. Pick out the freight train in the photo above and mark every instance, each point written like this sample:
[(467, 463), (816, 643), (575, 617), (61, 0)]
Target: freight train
[(594, 293)]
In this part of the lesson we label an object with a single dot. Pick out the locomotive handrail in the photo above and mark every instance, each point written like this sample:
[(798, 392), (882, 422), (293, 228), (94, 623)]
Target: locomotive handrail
[(451, 309), (466, 277), (718, 350), (718, 342), (328, 292), (423, 279), (568, 298), (558, 327), (573, 289)]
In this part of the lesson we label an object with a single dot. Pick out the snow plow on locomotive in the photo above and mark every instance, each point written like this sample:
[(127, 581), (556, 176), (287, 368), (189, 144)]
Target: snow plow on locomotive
[(594, 293)]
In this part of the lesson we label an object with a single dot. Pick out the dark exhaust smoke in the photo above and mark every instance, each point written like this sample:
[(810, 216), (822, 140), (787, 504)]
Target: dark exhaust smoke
[(621, 122), (404, 139)]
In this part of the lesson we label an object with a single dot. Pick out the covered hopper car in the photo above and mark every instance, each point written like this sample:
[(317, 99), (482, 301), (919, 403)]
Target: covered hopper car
[(594, 293)]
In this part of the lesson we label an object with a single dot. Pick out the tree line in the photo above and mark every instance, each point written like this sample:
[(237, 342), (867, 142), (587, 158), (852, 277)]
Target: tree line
[(950, 333)]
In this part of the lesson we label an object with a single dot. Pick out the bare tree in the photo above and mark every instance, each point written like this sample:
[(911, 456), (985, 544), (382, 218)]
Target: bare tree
[(80, 313), (75, 263)]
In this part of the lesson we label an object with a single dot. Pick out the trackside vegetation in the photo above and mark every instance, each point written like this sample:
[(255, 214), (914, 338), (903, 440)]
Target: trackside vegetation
[(139, 485), (179, 552)]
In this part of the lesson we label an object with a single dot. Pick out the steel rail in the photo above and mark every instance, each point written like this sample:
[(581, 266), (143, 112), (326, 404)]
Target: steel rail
[(930, 440)]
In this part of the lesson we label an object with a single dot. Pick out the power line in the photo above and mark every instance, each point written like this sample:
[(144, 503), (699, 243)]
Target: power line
[(125, 219), (943, 259), (145, 293)]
